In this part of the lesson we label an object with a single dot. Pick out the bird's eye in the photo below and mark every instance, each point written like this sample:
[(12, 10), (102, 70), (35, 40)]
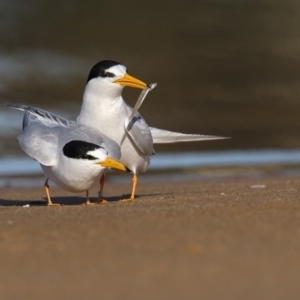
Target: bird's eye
[(108, 74), (104, 74)]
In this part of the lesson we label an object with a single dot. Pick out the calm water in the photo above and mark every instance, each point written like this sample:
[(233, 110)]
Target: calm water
[(24, 171), (227, 67)]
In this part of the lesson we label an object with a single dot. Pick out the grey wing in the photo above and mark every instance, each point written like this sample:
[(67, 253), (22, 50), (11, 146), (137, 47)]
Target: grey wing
[(44, 143), (139, 133), (161, 136), (45, 134), (94, 136), (40, 142), (113, 149), (33, 114)]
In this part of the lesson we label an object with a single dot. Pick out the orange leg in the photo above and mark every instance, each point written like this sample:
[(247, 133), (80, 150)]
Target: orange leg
[(100, 193), (134, 185), (87, 201), (46, 188)]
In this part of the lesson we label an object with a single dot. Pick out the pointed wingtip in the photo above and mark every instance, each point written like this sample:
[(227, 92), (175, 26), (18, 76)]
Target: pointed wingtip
[(16, 106), (11, 105), (161, 136)]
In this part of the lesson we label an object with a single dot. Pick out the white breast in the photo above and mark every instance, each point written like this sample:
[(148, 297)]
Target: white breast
[(109, 118)]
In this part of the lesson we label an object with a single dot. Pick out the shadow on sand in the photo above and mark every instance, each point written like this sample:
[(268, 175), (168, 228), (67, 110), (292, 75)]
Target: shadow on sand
[(69, 200)]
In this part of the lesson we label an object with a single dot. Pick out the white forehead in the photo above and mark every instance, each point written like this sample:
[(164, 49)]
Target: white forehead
[(118, 70)]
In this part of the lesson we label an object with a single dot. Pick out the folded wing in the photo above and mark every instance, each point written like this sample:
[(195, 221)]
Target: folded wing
[(45, 134), (139, 132)]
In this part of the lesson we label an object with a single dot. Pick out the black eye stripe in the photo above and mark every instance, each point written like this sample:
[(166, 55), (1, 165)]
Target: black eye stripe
[(109, 74), (102, 73), (106, 74), (90, 157)]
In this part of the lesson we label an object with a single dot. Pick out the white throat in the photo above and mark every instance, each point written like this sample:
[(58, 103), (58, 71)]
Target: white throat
[(102, 105), (102, 90)]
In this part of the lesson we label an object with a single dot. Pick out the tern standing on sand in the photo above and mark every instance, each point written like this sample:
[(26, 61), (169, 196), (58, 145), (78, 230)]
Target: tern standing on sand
[(73, 156), (104, 109)]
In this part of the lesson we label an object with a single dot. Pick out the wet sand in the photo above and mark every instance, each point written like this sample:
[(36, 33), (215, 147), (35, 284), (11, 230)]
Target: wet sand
[(181, 240)]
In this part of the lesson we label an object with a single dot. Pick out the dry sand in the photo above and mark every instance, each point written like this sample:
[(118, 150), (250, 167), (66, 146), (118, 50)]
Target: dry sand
[(184, 240)]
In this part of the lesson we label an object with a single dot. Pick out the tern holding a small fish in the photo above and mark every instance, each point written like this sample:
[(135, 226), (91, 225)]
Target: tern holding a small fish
[(103, 108)]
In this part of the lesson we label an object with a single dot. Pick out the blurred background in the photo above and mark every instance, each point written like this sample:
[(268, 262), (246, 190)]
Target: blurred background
[(228, 68)]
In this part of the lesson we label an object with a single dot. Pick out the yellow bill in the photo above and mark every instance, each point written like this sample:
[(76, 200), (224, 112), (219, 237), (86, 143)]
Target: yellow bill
[(113, 164), (128, 80)]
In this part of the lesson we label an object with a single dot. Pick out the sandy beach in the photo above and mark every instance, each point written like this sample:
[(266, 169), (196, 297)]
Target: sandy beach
[(229, 239)]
